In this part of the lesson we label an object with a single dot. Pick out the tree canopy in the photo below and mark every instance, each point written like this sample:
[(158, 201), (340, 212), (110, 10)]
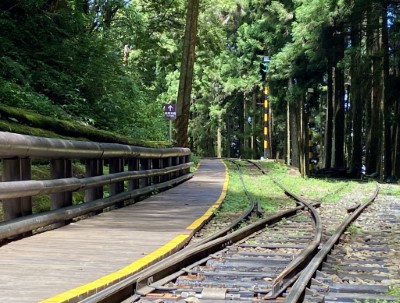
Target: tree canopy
[(333, 78)]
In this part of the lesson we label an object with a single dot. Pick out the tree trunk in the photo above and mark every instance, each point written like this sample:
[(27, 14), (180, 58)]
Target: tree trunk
[(294, 130), (386, 105), (329, 118), (356, 101), (288, 141), (186, 74), (396, 143), (301, 136), (374, 143), (338, 106), (219, 139)]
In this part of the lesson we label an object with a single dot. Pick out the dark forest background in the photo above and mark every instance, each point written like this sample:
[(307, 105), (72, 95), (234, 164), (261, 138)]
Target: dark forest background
[(333, 75)]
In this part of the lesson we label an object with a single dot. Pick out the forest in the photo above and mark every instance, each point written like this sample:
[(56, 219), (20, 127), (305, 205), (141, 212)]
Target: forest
[(332, 75)]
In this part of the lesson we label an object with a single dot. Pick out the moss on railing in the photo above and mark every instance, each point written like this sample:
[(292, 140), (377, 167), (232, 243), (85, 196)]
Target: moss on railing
[(21, 121)]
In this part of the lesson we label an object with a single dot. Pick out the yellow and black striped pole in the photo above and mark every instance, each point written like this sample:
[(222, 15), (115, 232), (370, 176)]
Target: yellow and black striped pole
[(266, 121), (264, 68)]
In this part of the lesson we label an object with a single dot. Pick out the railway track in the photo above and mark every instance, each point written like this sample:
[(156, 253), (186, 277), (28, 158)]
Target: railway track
[(263, 261), (364, 265), (242, 271)]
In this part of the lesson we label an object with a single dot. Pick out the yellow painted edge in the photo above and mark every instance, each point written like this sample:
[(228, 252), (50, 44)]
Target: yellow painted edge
[(142, 262), (207, 215)]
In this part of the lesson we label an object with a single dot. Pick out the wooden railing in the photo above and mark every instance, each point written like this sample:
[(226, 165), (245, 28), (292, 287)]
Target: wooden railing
[(147, 170)]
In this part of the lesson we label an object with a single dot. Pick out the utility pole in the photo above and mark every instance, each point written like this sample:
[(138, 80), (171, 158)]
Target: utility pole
[(264, 69)]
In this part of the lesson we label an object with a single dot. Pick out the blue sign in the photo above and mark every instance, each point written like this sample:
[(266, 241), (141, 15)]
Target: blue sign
[(170, 111)]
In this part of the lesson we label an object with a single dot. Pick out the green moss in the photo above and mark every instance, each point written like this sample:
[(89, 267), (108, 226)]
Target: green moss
[(29, 123), (13, 127)]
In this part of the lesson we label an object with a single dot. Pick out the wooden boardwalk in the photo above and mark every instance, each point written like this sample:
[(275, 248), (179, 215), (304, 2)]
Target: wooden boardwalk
[(62, 264)]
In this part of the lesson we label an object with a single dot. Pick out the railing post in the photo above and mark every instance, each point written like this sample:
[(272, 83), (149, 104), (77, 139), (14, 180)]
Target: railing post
[(175, 161), (11, 172), (182, 160), (167, 162), (157, 164), (94, 168), (133, 165), (60, 168), (186, 160), (117, 166), (68, 174), (26, 174), (145, 164), (100, 189)]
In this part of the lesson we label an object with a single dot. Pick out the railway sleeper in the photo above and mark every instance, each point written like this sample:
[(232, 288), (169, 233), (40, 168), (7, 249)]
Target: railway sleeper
[(251, 264), (368, 267), (371, 248), (266, 274), (263, 286), (332, 260), (358, 288), (346, 277), (358, 297), (272, 258), (254, 254), (272, 246), (208, 294)]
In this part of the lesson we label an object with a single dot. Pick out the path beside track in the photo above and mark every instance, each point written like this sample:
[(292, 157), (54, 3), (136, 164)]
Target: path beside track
[(68, 263)]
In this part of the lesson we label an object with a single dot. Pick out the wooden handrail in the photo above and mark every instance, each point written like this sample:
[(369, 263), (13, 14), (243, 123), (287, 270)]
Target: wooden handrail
[(149, 169), (23, 146)]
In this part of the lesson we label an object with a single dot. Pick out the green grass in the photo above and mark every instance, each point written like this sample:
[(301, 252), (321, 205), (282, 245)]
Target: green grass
[(390, 190), (260, 187), (395, 291), (263, 189), (353, 230)]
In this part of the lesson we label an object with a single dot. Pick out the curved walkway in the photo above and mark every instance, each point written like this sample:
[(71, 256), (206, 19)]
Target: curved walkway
[(68, 263)]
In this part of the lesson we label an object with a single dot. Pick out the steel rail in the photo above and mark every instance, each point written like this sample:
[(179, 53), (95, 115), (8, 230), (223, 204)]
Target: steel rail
[(243, 216), (298, 289), (17, 189), (289, 275), (23, 146), (31, 222), (141, 280)]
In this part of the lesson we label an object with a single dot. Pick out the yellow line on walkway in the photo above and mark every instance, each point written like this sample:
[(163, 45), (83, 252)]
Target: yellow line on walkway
[(157, 255)]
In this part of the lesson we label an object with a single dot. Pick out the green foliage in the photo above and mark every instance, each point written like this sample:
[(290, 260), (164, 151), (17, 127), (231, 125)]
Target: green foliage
[(64, 61)]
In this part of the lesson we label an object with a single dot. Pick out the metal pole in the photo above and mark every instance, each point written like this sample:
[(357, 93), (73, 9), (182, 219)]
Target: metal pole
[(170, 131), (266, 130)]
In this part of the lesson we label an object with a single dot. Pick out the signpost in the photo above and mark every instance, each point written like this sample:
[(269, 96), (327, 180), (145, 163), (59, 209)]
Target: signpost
[(170, 114)]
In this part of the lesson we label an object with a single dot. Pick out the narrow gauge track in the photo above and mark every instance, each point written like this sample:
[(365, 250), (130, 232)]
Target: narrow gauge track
[(254, 209), (365, 261), (247, 265), (282, 257), (357, 265)]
